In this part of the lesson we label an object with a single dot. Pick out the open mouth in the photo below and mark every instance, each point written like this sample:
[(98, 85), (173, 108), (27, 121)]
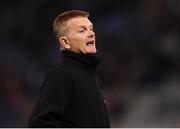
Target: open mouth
[(90, 43)]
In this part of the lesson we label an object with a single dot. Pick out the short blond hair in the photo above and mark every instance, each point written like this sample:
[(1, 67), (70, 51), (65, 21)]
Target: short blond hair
[(60, 22)]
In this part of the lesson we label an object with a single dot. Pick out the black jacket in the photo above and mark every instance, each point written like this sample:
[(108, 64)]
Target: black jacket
[(71, 96)]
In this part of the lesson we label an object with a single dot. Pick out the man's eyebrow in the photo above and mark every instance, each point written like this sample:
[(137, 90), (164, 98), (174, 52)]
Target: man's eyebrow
[(84, 26), (91, 25)]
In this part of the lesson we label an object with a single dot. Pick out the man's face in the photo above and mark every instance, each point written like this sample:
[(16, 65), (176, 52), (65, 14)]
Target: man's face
[(80, 35)]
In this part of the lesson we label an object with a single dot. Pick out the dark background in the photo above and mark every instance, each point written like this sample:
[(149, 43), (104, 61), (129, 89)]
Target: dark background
[(138, 41)]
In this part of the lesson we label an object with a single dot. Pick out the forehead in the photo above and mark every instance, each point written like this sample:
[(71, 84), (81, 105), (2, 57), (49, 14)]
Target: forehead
[(79, 21)]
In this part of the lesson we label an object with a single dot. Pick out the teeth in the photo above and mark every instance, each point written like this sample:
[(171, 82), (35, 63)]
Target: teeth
[(89, 44)]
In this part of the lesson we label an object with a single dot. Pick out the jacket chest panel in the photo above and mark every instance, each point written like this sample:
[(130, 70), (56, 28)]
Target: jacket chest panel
[(86, 88)]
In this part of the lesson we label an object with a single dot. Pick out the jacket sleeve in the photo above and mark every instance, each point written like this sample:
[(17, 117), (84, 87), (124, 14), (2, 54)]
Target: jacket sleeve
[(54, 98)]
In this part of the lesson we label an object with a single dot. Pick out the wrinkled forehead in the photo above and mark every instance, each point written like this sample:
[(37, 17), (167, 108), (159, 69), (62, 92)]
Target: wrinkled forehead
[(78, 22)]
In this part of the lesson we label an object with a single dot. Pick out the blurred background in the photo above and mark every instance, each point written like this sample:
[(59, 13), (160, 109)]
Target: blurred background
[(138, 41)]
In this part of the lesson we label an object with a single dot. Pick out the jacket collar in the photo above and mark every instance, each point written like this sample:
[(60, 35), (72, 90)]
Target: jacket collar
[(89, 61)]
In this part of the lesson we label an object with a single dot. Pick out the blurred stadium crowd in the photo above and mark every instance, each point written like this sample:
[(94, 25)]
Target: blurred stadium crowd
[(138, 41)]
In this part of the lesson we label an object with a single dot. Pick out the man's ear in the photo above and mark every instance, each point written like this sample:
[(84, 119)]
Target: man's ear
[(64, 43)]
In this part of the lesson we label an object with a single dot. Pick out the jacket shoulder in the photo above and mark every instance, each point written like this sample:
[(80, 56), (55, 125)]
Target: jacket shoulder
[(59, 76)]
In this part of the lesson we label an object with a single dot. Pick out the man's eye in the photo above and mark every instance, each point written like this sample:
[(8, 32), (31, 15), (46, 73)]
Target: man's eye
[(82, 30)]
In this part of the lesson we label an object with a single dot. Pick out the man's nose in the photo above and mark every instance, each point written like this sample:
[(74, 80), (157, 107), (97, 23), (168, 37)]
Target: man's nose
[(91, 33)]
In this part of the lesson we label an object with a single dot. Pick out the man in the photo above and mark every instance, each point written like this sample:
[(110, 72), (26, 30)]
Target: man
[(71, 96)]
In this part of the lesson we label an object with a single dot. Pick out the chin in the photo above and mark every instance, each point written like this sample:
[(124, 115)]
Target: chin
[(91, 52)]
